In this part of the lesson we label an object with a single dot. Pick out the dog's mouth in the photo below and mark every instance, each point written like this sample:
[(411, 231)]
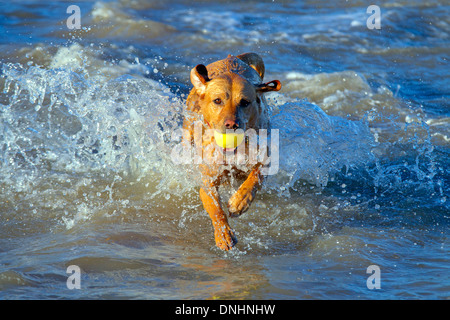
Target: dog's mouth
[(229, 141)]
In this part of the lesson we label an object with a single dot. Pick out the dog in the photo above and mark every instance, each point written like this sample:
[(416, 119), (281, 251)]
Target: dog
[(227, 95)]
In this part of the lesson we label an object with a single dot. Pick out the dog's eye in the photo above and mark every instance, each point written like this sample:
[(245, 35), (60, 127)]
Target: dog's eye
[(244, 103), (217, 101)]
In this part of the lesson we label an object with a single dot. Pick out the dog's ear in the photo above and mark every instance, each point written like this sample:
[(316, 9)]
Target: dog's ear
[(254, 61), (274, 85), (199, 78)]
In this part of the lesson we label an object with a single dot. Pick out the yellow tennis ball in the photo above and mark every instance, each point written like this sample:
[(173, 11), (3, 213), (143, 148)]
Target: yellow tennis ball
[(228, 140)]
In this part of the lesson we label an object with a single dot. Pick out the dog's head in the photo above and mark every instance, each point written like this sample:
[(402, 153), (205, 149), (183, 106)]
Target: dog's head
[(229, 100)]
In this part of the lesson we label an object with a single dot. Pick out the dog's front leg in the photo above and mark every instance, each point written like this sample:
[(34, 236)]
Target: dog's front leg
[(223, 234), (240, 201)]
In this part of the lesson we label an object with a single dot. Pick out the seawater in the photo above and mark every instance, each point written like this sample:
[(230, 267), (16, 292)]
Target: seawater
[(87, 178)]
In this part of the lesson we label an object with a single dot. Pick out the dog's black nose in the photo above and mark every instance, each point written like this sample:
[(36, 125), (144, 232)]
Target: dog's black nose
[(231, 124)]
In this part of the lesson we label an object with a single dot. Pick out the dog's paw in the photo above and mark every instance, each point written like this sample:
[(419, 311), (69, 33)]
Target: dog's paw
[(240, 202), (225, 238)]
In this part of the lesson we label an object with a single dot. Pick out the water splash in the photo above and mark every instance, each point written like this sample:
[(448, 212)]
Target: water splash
[(99, 143)]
